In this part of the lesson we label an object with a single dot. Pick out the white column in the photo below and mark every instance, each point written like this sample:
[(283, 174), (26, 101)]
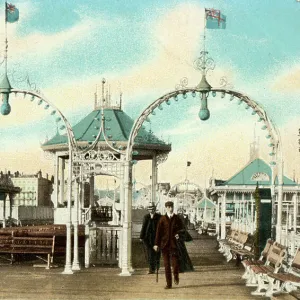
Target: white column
[(175, 201), (122, 197), (62, 181), (82, 197), (293, 232), (235, 221), (218, 218), (4, 210), (295, 203), (87, 247), (56, 180), (252, 215), (154, 179), (240, 214), (68, 265), (223, 217), (127, 224), (10, 204), (76, 265), (244, 212), (279, 201)]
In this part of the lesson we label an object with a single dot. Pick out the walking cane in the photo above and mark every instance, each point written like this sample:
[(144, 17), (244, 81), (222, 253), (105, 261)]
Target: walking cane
[(157, 265)]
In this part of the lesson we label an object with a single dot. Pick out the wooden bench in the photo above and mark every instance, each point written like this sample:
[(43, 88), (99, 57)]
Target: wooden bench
[(246, 252), (28, 245), (285, 281), (272, 265), (232, 234), (251, 261), (237, 242), (50, 238)]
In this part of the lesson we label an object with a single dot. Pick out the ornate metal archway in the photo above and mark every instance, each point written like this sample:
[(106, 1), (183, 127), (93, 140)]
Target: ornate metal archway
[(83, 160), (203, 90)]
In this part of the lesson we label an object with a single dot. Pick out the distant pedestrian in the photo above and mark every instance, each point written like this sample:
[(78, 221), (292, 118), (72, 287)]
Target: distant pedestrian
[(147, 235), (167, 234)]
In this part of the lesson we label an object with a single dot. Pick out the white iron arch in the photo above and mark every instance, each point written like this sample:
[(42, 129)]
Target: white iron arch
[(203, 89)]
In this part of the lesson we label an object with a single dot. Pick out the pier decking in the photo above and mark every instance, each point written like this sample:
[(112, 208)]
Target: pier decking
[(213, 278)]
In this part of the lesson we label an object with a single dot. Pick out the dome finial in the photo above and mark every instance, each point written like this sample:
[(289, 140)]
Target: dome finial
[(121, 94), (103, 99)]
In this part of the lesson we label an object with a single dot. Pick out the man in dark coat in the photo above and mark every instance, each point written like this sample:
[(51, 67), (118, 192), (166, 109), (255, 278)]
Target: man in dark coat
[(147, 235), (167, 234)]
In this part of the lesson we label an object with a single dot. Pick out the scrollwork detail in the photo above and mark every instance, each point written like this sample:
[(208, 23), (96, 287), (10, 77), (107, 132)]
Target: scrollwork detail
[(183, 84), (204, 63), (224, 83), (161, 158)]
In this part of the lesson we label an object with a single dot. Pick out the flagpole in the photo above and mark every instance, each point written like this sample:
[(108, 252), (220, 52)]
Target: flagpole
[(186, 167), (6, 42), (204, 46)]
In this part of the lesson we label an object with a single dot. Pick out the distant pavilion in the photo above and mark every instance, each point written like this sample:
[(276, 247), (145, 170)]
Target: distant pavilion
[(236, 203), (7, 191)]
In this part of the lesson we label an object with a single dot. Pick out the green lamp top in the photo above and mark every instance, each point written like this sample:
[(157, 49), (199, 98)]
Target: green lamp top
[(5, 86)]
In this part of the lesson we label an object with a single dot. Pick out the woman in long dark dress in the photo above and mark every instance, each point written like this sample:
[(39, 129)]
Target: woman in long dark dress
[(185, 263)]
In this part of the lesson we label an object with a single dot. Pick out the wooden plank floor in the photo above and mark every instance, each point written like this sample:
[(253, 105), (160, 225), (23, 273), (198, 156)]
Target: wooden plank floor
[(213, 278)]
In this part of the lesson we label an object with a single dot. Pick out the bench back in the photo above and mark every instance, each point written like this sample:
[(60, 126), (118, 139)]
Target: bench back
[(231, 234), (243, 237), (266, 250), (275, 256), (295, 265)]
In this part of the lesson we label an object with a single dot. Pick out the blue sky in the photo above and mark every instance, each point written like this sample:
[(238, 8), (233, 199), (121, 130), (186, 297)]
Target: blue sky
[(144, 48)]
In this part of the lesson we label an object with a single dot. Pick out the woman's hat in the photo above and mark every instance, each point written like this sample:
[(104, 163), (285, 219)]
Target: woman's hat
[(169, 203)]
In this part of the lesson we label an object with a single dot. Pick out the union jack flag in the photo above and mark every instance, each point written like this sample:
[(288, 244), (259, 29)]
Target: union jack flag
[(214, 19), (10, 7), (11, 13)]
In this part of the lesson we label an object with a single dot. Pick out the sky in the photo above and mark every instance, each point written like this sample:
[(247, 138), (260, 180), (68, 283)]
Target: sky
[(144, 49)]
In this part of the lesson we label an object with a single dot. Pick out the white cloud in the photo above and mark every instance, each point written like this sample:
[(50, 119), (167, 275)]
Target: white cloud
[(287, 80), (39, 44), (176, 35)]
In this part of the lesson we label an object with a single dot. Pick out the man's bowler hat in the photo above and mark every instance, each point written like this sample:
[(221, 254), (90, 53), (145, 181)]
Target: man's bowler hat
[(151, 207)]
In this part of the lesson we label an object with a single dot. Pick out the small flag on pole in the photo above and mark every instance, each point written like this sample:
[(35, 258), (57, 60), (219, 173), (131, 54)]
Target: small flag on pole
[(11, 13), (188, 163), (214, 19)]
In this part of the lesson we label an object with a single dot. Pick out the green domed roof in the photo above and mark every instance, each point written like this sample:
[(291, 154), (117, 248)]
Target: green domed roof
[(117, 128)]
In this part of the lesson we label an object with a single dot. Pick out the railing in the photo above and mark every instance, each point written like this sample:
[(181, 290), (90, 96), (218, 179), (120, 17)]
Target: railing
[(104, 245)]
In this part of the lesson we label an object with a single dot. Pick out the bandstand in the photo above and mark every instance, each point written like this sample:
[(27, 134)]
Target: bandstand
[(101, 140)]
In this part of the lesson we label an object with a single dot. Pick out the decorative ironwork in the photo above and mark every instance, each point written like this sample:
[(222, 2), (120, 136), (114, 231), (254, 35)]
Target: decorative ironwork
[(93, 156), (204, 63), (183, 84), (224, 83), (161, 158), (19, 79)]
